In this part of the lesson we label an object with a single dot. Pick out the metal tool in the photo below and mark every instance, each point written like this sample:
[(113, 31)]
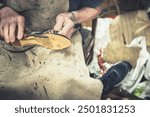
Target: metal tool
[(36, 34)]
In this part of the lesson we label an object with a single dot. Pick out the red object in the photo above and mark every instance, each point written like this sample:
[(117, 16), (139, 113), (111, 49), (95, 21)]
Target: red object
[(101, 63)]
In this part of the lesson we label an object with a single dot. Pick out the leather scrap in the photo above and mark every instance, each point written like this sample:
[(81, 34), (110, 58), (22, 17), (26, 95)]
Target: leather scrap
[(53, 41), (123, 30)]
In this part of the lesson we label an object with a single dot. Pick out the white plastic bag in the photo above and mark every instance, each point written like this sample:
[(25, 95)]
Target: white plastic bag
[(102, 39), (132, 80)]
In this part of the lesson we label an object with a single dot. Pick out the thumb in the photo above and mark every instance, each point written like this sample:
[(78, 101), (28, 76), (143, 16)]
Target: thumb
[(59, 22)]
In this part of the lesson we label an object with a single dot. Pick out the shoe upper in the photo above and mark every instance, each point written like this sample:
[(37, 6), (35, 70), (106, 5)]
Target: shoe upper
[(115, 75)]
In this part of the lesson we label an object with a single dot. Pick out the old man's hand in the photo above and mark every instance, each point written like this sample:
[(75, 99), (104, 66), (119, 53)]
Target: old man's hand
[(11, 25), (64, 25)]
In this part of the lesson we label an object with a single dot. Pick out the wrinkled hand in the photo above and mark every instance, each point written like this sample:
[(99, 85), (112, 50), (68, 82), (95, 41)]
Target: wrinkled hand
[(64, 25), (11, 25)]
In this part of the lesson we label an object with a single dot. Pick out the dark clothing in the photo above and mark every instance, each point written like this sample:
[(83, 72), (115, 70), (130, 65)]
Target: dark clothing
[(2, 1), (40, 15), (78, 4), (131, 5)]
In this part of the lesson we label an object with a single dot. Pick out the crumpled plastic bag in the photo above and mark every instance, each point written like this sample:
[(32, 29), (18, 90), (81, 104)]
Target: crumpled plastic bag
[(133, 79)]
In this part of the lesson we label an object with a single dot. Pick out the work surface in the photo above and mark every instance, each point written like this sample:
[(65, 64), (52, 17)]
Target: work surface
[(40, 73)]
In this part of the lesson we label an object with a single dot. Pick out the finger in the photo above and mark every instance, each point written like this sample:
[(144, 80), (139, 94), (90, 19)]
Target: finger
[(59, 23), (12, 32), (1, 31), (2, 28), (21, 25), (70, 33), (66, 29), (6, 33)]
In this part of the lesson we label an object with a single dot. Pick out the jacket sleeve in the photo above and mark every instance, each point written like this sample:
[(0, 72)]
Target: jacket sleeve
[(2, 3), (90, 3)]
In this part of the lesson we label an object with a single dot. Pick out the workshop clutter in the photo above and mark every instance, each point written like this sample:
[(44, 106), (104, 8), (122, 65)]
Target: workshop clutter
[(125, 38)]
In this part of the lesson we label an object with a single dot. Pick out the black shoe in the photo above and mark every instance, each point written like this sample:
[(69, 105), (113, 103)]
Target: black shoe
[(115, 75)]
